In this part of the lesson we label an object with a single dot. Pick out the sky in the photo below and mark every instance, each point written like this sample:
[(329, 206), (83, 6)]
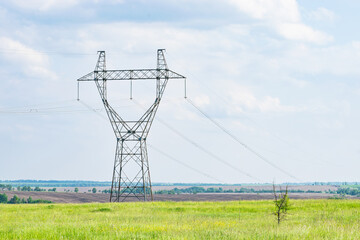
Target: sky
[(281, 76)]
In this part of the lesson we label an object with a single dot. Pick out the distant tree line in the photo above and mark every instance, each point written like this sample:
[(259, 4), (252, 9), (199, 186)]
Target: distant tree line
[(194, 190), (349, 191), (9, 187), (16, 200), (55, 183), (6, 187), (35, 189), (73, 183), (124, 190)]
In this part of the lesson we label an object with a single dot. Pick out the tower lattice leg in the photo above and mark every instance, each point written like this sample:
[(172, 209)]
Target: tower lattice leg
[(131, 175)]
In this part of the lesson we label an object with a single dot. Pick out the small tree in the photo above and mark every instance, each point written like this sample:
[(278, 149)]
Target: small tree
[(3, 198), (14, 200), (52, 190), (26, 188), (281, 202), (94, 190), (76, 190)]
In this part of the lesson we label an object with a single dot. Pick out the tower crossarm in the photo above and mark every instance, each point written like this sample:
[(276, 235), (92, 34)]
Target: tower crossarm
[(136, 74)]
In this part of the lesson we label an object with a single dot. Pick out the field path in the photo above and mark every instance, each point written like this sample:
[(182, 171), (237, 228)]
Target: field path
[(59, 197)]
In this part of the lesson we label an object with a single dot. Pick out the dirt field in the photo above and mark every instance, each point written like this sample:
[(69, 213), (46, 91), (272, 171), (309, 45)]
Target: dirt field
[(67, 194), (255, 187), (60, 197)]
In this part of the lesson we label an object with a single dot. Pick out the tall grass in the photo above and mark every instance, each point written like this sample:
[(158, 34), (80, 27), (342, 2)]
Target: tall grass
[(307, 219)]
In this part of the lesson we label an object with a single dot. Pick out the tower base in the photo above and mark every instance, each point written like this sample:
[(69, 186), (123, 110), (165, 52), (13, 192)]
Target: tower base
[(131, 158)]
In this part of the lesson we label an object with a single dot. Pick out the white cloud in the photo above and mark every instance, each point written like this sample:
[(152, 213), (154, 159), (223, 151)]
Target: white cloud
[(331, 124), (322, 14), (338, 60), (244, 98), (31, 61), (47, 5), (274, 10), (356, 45), (44, 5), (178, 109), (296, 82), (299, 31), (201, 100), (27, 54), (284, 17), (4, 15)]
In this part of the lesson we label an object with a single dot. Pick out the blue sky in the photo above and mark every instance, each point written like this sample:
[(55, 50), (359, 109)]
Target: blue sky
[(281, 75)]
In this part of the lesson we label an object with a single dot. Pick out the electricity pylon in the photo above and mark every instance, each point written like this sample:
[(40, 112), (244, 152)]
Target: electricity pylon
[(131, 174)]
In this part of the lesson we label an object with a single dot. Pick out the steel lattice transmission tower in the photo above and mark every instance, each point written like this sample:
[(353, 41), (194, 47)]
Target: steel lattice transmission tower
[(131, 151)]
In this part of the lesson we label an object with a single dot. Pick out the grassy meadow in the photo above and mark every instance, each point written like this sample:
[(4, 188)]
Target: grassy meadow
[(307, 219)]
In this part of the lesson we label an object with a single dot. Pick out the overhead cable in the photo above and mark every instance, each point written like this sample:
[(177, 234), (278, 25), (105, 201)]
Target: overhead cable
[(201, 147), (240, 142), (184, 164), (91, 109), (318, 161)]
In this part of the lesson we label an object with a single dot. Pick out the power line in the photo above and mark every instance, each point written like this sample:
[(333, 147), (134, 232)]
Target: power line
[(32, 109), (240, 142), (37, 105), (40, 112), (92, 109), (270, 132), (184, 164), (200, 147)]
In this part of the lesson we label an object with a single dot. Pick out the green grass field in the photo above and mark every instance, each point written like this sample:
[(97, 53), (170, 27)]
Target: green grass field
[(307, 219)]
